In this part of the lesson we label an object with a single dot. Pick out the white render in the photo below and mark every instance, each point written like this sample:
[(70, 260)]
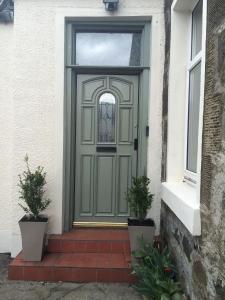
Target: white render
[(6, 120), (32, 95)]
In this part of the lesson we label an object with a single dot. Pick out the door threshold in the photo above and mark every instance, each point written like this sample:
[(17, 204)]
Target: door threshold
[(99, 225)]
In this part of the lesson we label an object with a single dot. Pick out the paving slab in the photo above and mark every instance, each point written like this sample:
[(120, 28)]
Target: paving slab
[(28, 290)]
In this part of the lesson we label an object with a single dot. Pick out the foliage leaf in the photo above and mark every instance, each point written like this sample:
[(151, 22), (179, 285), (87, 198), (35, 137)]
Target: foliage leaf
[(138, 196), (156, 273), (31, 190)]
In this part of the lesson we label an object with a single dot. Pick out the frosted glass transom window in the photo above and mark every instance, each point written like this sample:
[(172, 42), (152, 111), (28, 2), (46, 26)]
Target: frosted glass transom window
[(108, 49), (106, 118)]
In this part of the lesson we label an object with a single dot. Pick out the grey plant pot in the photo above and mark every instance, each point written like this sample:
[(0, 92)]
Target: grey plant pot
[(33, 239), (137, 232)]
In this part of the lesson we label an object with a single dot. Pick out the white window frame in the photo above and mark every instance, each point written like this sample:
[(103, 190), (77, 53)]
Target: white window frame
[(183, 196), (192, 177)]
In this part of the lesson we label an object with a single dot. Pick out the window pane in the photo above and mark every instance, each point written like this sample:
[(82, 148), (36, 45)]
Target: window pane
[(193, 118), (106, 118), (197, 29), (108, 49)]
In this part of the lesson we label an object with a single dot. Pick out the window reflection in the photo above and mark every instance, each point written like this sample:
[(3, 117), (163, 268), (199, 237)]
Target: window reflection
[(197, 29), (106, 118), (193, 118), (110, 49)]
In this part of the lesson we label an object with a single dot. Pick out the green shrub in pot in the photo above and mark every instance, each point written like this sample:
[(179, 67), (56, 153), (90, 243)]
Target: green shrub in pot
[(33, 224)]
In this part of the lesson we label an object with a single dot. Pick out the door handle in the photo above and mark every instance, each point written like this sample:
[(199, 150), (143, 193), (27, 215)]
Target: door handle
[(135, 144)]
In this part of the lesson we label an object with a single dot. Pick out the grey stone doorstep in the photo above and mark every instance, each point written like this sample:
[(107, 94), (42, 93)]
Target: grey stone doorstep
[(30, 290)]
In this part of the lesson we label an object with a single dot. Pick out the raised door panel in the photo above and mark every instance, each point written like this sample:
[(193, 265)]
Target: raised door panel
[(124, 88), (124, 179), (90, 87), (86, 175), (105, 185), (125, 125), (88, 125)]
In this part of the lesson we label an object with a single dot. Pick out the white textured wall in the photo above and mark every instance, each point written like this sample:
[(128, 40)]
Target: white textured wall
[(6, 41), (155, 114), (37, 88)]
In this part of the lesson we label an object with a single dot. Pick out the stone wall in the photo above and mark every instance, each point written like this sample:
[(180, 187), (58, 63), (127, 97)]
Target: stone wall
[(167, 13), (201, 261)]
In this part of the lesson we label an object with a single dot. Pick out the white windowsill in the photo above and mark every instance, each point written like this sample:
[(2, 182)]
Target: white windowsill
[(182, 200)]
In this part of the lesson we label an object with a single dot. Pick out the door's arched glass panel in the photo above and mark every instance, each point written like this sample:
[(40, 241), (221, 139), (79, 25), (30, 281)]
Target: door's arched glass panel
[(106, 118)]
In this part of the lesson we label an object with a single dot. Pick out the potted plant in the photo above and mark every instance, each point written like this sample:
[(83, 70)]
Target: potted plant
[(156, 274), (140, 200), (33, 224)]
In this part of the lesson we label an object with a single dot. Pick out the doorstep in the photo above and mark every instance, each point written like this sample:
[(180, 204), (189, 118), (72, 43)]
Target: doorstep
[(82, 255)]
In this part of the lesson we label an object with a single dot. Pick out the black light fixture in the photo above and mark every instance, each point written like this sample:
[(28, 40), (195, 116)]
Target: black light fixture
[(6, 11), (111, 5)]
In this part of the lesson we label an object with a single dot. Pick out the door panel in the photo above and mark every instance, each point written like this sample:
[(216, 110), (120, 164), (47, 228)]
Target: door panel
[(90, 86), (105, 185), (86, 185), (124, 177), (124, 88), (106, 126), (87, 128), (125, 125)]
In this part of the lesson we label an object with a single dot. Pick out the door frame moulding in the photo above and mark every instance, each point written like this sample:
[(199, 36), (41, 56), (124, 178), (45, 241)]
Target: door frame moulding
[(71, 71)]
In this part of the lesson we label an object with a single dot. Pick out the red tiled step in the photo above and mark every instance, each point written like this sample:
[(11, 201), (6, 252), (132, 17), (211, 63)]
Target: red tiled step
[(90, 240), (74, 267)]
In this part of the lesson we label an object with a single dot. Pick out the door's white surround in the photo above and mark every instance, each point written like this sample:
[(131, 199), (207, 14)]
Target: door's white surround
[(38, 99)]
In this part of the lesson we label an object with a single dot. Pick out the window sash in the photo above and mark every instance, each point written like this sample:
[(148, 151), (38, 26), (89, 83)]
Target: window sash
[(193, 118), (196, 29), (189, 176), (194, 62)]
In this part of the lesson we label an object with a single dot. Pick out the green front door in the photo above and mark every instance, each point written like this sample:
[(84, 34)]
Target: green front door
[(106, 156)]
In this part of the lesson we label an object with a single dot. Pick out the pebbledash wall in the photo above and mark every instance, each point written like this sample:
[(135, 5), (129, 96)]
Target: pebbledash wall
[(6, 119), (32, 100), (201, 260)]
